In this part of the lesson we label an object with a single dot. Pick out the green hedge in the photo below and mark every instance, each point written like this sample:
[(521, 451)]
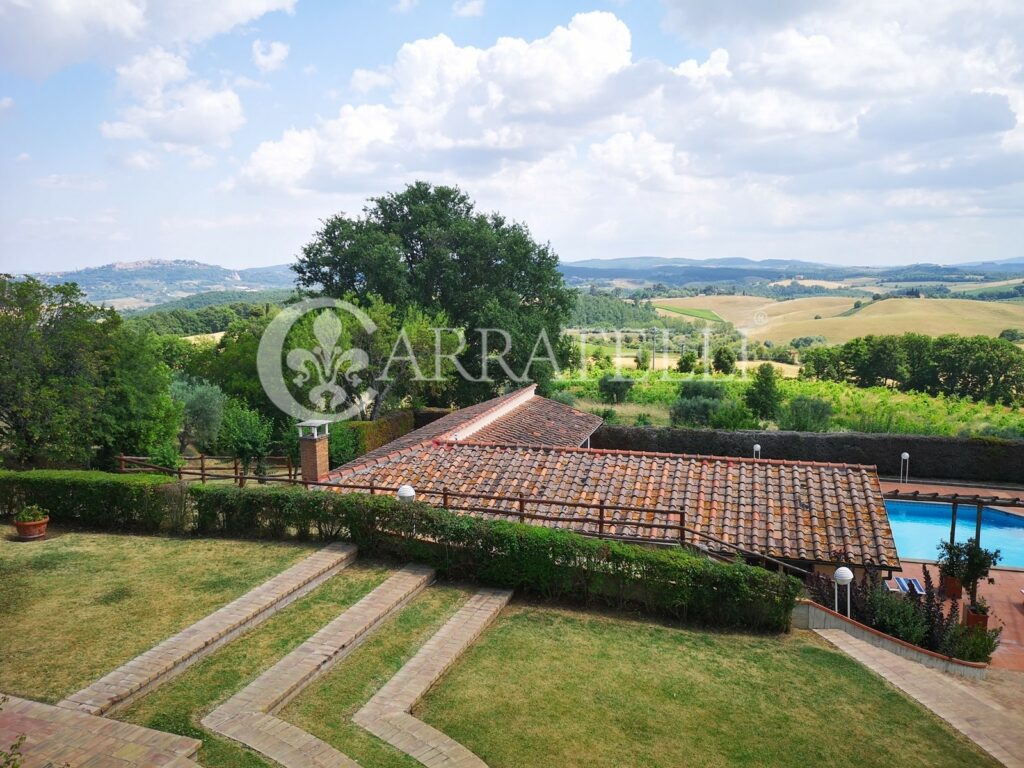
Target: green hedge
[(351, 439), (140, 503), (541, 561)]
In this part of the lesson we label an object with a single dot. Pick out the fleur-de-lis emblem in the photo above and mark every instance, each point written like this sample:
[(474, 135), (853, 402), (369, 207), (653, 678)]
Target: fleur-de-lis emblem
[(328, 363)]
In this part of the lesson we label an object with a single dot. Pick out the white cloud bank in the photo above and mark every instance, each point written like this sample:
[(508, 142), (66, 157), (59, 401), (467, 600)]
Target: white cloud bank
[(879, 119)]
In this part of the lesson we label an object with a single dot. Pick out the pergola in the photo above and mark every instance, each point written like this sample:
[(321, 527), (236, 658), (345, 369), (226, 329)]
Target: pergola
[(956, 499)]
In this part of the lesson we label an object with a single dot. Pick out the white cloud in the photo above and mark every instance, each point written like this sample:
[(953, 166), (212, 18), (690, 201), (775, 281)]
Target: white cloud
[(404, 6), (468, 7), (808, 121), (40, 37), (268, 56), (171, 107), (70, 182), (6, 103), (140, 160), (23, 157)]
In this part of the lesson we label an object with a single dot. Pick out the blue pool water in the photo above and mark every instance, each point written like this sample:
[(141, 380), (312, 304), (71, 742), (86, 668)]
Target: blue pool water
[(918, 527)]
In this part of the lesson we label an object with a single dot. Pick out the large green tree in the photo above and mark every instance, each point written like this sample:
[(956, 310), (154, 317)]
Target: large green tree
[(74, 381), (429, 247)]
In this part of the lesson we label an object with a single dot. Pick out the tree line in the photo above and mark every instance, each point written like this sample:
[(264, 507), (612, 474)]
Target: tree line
[(979, 368)]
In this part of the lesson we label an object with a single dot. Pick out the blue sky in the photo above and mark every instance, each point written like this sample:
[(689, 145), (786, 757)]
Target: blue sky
[(859, 133)]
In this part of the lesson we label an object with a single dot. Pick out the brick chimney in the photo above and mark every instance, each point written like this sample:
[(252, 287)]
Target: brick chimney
[(313, 457)]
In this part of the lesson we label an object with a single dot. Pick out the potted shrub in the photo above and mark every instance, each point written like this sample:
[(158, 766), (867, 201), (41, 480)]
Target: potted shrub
[(976, 567), (31, 523), (952, 559)]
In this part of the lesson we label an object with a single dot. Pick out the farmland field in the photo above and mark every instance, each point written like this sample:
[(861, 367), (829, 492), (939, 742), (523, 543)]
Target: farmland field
[(782, 321)]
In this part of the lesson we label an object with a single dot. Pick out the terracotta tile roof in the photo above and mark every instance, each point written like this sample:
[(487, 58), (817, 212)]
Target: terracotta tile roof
[(540, 421), (790, 510)]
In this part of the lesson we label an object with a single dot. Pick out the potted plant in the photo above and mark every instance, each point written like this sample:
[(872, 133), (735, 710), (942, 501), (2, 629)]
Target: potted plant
[(976, 567), (31, 523), (952, 559)]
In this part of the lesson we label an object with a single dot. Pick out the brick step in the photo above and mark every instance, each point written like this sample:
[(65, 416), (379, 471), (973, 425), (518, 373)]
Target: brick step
[(387, 716), (248, 716), (55, 736), (171, 657)]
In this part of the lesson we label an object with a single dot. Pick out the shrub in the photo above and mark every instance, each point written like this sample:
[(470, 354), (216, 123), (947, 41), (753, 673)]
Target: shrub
[(643, 419), (724, 360), (138, 503), (166, 455), (613, 389), (693, 411), (610, 415), (33, 513), (712, 390), (897, 616), (972, 643), (732, 414), (540, 561), (806, 414), (563, 396)]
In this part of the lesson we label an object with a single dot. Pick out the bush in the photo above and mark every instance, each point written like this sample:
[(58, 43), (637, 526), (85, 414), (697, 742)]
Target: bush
[(897, 616), (693, 411), (732, 414), (972, 643), (563, 396), (724, 360), (763, 396), (540, 561), (806, 414), (137, 503), (643, 419), (613, 389), (712, 390)]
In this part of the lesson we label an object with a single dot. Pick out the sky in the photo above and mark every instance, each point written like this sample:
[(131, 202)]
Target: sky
[(871, 132)]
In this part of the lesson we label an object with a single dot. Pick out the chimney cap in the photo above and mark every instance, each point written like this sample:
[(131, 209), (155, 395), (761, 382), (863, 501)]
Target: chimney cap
[(316, 427)]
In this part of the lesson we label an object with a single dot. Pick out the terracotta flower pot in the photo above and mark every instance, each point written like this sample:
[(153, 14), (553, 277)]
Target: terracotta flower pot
[(952, 588), (974, 619), (32, 529)]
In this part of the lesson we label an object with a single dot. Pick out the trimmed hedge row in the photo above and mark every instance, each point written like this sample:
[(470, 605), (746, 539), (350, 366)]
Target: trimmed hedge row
[(351, 439), (138, 503), (541, 561), (979, 459)]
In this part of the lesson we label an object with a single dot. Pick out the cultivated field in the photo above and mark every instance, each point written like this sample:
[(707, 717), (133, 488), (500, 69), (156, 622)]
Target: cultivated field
[(782, 321)]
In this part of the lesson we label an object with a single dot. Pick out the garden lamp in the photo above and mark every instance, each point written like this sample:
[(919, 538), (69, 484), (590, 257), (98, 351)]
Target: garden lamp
[(843, 576), (406, 493)]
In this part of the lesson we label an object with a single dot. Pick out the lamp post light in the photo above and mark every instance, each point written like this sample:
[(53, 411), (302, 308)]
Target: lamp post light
[(406, 493), (904, 467), (843, 576), (757, 450)]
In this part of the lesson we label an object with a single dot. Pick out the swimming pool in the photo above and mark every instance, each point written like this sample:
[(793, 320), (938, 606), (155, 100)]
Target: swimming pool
[(918, 527)]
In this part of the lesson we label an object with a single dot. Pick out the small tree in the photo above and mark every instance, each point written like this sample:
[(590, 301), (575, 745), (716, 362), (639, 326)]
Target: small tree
[(733, 414), (643, 359), (806, 414), (724, 360), (693, 411), (687, 361), (763, 397), (245, 435), (613, 389), (202, 412), (976, 567)]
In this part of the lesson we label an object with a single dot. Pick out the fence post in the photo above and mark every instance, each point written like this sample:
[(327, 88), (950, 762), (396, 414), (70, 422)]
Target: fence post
[(522, 508), (289, 460), (373, 489), (120, 462), (181, 476), (682, 526), (202, 468), (238, 477), (600, 524), (444, 497)]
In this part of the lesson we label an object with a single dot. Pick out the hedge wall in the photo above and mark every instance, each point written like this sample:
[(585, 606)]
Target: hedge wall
[(138, 503), (351, 439), (541, 561), (986, 460)]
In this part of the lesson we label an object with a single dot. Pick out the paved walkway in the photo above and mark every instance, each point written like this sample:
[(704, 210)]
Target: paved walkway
[(56, 736), (996, 728), (387, 716), (174, 655), (247, 717)]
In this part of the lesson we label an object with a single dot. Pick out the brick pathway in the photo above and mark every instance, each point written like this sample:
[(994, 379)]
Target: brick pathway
[(248, 716), (174, 655), (56, 736), (387, 716), (996, 728)]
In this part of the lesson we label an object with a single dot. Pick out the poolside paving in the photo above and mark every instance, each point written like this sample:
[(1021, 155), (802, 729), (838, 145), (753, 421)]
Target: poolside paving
[(970, 708), (175, 654), (387, 716), (248, 716), (55, 736)]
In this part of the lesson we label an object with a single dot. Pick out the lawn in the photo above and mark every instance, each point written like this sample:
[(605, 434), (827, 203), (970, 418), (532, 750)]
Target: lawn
[(700, 314), (78, 605), (550, 687)]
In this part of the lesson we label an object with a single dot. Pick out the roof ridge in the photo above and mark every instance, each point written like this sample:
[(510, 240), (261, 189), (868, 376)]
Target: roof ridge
[(662, 454)]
